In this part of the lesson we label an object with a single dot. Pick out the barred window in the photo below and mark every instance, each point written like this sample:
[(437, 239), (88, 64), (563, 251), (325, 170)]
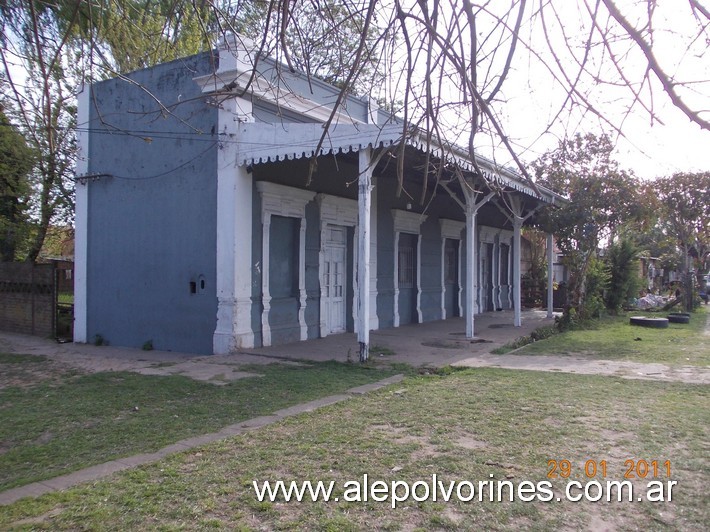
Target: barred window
[(405, 270), (451, 266)]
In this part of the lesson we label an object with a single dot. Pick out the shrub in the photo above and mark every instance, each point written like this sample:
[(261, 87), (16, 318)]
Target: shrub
[(624, 281)]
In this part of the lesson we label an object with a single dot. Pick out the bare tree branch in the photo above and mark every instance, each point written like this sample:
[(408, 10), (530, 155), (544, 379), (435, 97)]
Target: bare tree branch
[(666, 81)]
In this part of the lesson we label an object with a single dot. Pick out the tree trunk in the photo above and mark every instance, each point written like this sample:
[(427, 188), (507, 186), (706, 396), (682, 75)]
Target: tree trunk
[(687, 281), (45, 219)]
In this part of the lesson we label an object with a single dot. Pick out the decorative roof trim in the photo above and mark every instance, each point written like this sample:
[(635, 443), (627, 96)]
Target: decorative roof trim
[(263, 143), (259, 143)]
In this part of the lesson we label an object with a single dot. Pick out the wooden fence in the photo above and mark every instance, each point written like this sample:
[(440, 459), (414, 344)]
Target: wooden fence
[(28, 298)]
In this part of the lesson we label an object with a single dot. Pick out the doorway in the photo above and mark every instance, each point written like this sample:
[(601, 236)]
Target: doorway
[(334, 278), (451, 277), (407, 278)]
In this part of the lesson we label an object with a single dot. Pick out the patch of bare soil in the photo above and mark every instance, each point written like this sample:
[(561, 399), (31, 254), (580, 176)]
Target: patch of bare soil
[(425, 449), (31, 372), (467, 442)]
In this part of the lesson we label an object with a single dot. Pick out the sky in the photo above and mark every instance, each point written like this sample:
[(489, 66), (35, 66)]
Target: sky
[(649, 148), (551, 47)]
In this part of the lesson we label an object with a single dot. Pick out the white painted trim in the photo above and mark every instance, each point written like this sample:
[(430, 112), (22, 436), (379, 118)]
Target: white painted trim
[(495, 274), (265, 290), (322, 323), (363, 262), (373, 109), (499, 259), (280, 200), (443, 277), (353, 310), (517, 225), (81, 218), (482, 255), (337, 211), (420, 317), (450, 229), (511, 243), (237, 58), (374, 318), (472, 206), (488, 235), (395, 275), (471, 267), (407, 222), (343, 212), (302, 295), (460, 294), (234, 235), (550, 274)]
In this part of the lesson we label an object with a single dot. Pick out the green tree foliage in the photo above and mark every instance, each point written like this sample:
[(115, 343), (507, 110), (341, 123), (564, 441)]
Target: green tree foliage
[(684, 200), (621, 260), (128, 35), (39, 83), (49, 49), (16, 162), (598, 283), (602, 198)]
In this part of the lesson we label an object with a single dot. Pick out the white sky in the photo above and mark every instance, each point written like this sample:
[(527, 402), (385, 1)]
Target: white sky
[(531, 98), (650, 148)]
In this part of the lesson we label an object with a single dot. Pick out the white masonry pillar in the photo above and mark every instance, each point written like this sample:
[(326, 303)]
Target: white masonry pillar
[(234, 234), (517, 257), (363, 258), (550, 273), (471, 259), (81, 217)]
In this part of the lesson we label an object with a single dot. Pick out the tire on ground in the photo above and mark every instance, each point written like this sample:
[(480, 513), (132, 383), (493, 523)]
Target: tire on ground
[(678, 318), (643, 321)]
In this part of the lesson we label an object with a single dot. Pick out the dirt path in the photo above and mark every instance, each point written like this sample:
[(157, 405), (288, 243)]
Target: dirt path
[(585, 365)]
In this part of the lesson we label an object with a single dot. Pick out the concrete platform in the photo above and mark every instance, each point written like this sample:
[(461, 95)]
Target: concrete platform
[(435, 343)]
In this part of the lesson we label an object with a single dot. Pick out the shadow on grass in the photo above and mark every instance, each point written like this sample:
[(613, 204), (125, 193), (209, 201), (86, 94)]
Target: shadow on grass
[(60, 426)]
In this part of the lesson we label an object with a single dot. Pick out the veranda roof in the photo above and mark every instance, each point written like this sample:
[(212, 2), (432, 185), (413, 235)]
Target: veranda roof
[(259, 143)]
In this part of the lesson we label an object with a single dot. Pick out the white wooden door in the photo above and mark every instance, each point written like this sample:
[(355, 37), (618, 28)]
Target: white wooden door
[(334, 277)]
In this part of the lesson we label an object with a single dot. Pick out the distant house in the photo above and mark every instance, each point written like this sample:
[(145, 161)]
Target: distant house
[(198, 227)]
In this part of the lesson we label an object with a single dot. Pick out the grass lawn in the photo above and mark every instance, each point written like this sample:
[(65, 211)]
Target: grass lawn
[(466, 425), (72, 421), (65, 297), (613, 338)]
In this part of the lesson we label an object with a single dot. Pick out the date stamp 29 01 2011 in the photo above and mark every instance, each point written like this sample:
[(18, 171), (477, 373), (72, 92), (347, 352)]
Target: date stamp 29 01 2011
[(632, 469)]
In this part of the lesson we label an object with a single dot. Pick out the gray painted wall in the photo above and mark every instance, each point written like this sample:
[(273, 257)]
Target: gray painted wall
[(152, 227)]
